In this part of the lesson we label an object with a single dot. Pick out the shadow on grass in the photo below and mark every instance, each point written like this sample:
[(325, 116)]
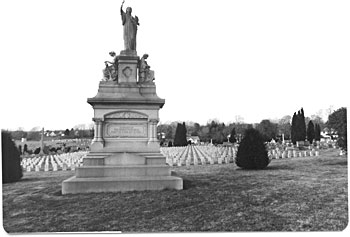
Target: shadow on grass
[(57, 193), (273, 167), (344, 163), (189, 184), (24, 180), (279, 167)]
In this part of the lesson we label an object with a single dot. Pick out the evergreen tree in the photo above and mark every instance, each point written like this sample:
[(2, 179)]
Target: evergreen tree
[(180, 135), (317, 132), (298, 127), (20, 149), (177, 135), (302, 126), (11, 161), (252, 152), (66, 132), (293, 128), (310, 132), (337, 121), (233, 135), (267, 129), (184, 135), (25, 148)]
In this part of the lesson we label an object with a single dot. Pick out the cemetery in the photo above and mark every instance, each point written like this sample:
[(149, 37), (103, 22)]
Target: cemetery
[(291, 194), (123, 180), (175, 156)]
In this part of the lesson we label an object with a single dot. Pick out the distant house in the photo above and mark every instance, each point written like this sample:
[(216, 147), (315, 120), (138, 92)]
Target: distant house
[(194, 139), (328, 135)]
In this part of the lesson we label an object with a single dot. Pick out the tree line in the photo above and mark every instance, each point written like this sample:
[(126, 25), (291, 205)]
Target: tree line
[(67, 134), (294, 128)]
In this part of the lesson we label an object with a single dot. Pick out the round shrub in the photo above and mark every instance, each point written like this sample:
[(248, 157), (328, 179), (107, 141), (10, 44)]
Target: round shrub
[(11, 161), (252, 153)]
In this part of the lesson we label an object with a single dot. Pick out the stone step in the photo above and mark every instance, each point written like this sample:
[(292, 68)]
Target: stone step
[(120, 184), (96, 159), (155, 159), (122, 171)]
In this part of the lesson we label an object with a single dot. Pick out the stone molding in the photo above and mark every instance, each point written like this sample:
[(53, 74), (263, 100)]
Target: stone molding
[(97, 120), (126, 115)]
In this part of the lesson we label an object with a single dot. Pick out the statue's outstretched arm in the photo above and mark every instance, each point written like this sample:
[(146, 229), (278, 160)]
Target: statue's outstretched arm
[(121, 7)]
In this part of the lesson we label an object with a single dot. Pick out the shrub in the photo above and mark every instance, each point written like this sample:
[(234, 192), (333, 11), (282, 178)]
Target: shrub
[(11, 161), (180, 135), (252, 153)]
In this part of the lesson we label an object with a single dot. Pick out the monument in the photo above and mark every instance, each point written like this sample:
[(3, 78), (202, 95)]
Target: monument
[(125, 153)]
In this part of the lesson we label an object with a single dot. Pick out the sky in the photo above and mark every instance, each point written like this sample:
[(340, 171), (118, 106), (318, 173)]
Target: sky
[(212, 59)]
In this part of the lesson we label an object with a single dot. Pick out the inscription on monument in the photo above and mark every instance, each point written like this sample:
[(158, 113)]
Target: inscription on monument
[(126, 130)]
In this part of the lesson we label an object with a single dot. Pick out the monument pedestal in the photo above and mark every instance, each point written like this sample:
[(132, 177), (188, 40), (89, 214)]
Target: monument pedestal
[(125, 153), (122, 172)]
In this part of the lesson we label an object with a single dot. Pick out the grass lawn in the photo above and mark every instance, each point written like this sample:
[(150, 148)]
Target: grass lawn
[(297, 194)]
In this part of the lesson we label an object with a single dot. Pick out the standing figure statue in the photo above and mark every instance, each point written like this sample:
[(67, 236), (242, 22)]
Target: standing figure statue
[(145, 74), (110, 72), (130, 24)]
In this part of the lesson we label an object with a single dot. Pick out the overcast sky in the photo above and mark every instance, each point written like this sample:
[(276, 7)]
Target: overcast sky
[(212, 59)]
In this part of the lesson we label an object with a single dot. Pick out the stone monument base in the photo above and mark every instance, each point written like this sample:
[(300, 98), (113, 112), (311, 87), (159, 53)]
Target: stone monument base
[(120, 172), (125, 152)]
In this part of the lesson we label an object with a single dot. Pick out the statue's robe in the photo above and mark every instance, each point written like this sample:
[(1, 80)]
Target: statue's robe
[(130, 30)]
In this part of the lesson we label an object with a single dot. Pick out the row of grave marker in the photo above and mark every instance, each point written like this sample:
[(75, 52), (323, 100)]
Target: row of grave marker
[(198, 155), (67, 161), (203, 155), (175, 156)]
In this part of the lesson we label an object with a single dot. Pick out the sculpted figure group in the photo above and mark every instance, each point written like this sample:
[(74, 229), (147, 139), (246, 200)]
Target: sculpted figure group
[(145, 74), (110, 72), (130, 23)]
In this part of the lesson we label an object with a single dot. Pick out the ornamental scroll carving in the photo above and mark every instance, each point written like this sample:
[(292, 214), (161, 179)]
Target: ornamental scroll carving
[(127, 115)]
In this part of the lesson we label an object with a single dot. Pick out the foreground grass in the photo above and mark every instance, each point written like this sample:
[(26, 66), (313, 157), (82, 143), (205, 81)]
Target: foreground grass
[(298, 194)]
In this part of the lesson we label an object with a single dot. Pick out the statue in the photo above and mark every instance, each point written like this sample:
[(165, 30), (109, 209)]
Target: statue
[(145, 74), (130, 24), (110, 72)]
